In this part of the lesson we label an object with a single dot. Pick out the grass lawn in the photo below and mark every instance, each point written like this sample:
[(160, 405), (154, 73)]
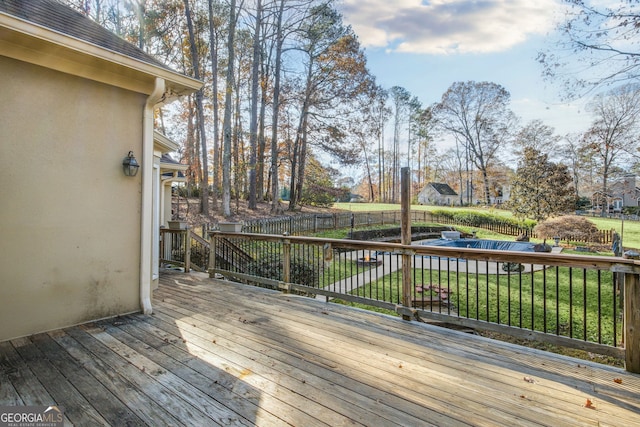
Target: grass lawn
[(630, 233)]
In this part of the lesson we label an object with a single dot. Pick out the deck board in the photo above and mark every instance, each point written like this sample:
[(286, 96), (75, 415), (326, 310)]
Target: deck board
[(220, 353)]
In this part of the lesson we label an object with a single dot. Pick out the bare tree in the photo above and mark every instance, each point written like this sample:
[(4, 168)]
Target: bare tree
[(602, 38), (195, 61), (400, 97), (214, 35), (538, 136), (477, 114), (253, 126), (614, 131), (228, 106)]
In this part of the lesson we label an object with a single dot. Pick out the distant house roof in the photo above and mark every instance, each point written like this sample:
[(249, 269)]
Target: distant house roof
[(442, 189)]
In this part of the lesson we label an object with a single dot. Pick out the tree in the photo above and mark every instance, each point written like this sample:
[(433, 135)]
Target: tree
[(424, 125), (279, 36), (602, 38), (572, 153), (365, 132), (215, 22), (382, 113), (226, 126), (538, 136), (335, 77), (614, 132), (319, 189), (195, 63), (400, 98), (253, 131), (476, 114), (541, 188)]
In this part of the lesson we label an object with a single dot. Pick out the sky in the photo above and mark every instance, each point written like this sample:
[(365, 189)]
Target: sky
[(427, 45)]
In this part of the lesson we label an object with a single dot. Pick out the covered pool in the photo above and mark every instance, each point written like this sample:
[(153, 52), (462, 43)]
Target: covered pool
[(496, 245)]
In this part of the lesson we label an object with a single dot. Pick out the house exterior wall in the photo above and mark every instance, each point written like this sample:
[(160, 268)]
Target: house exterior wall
[(70, 222), (629, 193), (429, 196)]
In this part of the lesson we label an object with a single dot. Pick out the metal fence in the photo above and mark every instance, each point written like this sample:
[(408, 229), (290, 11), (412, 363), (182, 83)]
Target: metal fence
[(313, 223)]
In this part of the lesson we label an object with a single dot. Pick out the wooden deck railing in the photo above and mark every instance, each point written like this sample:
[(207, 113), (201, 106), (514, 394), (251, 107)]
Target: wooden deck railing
[(585, 302), (183, 248)]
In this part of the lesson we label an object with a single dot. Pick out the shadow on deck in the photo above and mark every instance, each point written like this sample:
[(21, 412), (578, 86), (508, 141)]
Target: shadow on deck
[(221, 353)]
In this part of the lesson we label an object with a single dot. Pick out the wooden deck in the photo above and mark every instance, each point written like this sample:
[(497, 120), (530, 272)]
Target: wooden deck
[(219, 353)]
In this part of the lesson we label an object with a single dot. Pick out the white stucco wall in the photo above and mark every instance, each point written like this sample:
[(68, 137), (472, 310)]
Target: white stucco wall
[(70, 219)]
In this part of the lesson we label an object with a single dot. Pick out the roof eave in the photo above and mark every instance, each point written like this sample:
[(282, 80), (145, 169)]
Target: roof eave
[(163, 143), (30, 42)]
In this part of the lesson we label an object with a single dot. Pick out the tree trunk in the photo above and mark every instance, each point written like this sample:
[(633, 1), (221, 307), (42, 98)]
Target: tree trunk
[(275, 197), (213, 47), (226, 155), (253, 126), (262, 143), (302, 161), (204, 184)]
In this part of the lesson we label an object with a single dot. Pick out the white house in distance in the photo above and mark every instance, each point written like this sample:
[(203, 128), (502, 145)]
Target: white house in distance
[(438, 194), (79, 236)]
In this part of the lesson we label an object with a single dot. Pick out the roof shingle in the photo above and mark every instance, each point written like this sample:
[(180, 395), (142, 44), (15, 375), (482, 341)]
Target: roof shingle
[(62, 19)]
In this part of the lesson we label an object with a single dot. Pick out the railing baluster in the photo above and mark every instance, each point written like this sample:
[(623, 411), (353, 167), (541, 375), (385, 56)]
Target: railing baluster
[(570, 302), (544, 300), (557, 300), (584, 306), (599, 307)]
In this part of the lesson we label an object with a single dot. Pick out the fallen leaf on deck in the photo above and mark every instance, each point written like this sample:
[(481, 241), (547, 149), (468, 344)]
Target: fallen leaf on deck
[(617, 380), (589, 404)]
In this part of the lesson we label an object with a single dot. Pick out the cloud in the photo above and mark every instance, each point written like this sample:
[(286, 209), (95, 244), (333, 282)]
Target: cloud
[(448, 26)]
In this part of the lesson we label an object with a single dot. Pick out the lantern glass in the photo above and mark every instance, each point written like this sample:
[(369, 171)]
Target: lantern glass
[(130, 165)]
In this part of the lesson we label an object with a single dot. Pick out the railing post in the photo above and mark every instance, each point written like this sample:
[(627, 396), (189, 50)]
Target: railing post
[(632, 322), (286, 261), (187, 250), (212, 254), (405, 222)]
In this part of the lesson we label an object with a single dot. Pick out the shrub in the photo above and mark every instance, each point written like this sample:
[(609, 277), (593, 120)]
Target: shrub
[(479, 219), (302, 271), (568, 227)]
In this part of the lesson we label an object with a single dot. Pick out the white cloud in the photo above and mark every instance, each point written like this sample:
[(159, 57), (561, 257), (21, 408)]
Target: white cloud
[(448, 26)]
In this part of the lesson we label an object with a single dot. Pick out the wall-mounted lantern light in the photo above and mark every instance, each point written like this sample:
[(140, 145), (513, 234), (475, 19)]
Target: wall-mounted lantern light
[(130, 165)]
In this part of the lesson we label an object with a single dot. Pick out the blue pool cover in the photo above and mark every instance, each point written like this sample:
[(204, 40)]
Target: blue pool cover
[(496, 245)]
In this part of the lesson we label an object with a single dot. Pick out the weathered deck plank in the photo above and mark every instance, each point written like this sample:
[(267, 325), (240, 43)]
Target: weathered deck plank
[(391, 371), (219, 353)]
